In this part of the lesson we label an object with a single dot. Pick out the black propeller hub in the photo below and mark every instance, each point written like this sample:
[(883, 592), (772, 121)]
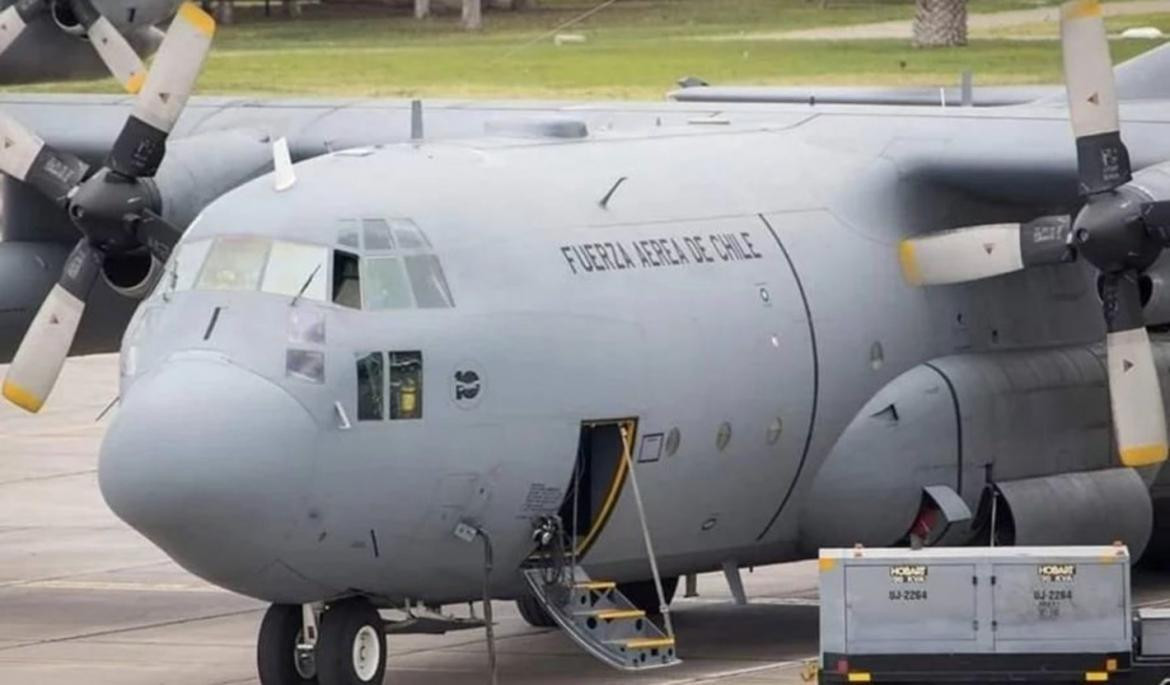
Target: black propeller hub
[(108, 208), (1110, 232)]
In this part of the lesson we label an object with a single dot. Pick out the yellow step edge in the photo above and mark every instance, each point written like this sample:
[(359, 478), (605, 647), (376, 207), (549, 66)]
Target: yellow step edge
[(596, 585), (614, 614), (647, 642)]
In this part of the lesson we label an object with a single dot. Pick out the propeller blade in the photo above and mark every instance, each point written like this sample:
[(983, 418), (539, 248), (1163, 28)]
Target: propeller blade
[(41, 354), (977, 252), (25, 157), (1102, 159), (158, 235), (142, 143), (1135, 395), (15, 18), (111, 46)]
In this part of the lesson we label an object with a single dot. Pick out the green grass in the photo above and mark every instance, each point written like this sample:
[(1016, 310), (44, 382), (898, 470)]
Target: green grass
[(636, 49)]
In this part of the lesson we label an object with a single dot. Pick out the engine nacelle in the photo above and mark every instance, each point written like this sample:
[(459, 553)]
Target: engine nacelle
[(964, 423), (125, 15), (27, 273), (1155, 289), (132, 275), (65, 18)]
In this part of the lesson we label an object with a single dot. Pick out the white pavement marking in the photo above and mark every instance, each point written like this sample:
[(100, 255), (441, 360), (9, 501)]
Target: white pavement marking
[(117, 586), (765, 601), (735, 673)]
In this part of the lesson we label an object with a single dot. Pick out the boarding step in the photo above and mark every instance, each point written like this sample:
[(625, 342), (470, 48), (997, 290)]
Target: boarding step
[(599, 618)]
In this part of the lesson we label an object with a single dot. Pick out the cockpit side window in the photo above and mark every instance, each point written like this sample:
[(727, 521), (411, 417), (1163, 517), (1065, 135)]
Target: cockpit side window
[(185, 264), (296, 269), (347, 285), (406, 369), (371, 387), (234, 263)]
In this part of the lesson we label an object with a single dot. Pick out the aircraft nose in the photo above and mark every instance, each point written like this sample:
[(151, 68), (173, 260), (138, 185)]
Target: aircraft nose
[(211, 463)]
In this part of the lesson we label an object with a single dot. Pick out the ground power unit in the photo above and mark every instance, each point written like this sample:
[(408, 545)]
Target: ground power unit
[(976, 615)]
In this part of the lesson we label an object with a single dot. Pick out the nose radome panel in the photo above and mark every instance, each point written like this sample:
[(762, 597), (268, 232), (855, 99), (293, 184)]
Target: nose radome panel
[(211, 463)]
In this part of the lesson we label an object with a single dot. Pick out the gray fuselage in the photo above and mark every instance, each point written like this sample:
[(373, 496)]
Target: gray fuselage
[(739, 282)]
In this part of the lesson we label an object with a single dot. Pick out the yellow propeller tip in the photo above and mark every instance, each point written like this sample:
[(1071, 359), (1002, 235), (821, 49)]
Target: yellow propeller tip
[(910, 270), (1143, 455), (1081, 9), (197, 18), (134, 84), (22, 398)]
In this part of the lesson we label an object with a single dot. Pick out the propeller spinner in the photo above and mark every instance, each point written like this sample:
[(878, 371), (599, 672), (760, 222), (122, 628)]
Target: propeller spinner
[(1120, 230), (116, 208)]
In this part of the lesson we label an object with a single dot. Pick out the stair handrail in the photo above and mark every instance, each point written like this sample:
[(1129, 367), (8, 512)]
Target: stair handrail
[(627, 454)]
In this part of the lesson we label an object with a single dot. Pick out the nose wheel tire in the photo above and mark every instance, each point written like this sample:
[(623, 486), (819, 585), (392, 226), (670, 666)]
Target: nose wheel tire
[(277, 658), (644, 595), (533, 613), (351, 649)]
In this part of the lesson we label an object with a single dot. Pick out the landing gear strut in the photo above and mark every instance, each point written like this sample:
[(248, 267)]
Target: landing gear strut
[(350, 649)]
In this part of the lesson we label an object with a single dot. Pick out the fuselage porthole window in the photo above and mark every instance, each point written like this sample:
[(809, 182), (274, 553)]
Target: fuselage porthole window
[(371, 386), (406, 391), (347, 286)]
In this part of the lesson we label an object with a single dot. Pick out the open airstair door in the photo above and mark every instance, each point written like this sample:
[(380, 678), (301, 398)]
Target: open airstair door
[(598, 478), (594, 613)]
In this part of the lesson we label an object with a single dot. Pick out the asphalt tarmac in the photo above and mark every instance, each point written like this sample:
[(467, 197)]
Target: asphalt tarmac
[(84, 599)]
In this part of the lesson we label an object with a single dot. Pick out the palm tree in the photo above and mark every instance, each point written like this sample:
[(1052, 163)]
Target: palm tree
[(940, 23)]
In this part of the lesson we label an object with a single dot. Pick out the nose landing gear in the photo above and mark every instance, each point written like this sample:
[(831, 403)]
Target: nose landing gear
[(350, 649)]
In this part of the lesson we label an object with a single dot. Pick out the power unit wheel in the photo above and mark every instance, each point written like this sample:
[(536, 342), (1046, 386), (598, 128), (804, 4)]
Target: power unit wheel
[(643, 595), (533, 613), (351, 649), (276, 650)]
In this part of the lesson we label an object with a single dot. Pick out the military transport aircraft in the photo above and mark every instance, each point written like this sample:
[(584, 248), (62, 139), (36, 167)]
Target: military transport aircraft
[(611, 356), (58, 39)]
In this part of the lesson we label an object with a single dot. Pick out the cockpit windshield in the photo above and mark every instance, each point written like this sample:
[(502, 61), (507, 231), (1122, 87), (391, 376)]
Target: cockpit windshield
[(400, 270)]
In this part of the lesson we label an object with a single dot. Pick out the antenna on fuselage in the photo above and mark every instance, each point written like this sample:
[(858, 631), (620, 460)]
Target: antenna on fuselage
[(416, 120), (285, 176)]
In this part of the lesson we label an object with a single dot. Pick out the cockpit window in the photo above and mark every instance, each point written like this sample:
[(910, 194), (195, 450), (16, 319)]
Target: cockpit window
[(348, 235), (185, 264), (408, 235), (377, 234), (296, 269), (428, 282), (386, 285), (234, 263), (410, 276), (347, 285)]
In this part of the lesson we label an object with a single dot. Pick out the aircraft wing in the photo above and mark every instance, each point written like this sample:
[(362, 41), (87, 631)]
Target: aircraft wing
[(905, 97)]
